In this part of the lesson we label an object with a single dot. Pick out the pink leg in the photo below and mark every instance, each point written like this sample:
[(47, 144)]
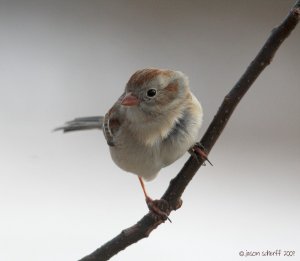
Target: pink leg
[(152, 203)]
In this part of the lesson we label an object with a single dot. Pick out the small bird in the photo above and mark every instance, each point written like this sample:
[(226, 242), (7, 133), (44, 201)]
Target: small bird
[(154, 122)]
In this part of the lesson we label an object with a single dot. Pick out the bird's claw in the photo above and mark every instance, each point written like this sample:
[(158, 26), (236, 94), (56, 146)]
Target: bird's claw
[(198, 152), (159, 208)]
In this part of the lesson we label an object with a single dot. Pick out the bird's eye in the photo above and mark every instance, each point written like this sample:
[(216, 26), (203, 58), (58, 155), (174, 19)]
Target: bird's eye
[(151, 92)]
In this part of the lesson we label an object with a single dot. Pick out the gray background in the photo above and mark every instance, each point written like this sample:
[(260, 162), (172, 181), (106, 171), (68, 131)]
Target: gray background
[(61, 196)]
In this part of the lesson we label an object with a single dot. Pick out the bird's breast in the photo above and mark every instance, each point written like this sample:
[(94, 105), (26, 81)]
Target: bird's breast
[(134, 157)]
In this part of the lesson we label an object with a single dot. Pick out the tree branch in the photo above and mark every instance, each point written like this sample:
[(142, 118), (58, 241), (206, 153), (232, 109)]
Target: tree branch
[(173, 194)]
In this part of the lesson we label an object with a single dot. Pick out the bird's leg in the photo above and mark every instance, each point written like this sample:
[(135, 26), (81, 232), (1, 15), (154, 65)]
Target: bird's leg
[(153, 204), (197, 151)]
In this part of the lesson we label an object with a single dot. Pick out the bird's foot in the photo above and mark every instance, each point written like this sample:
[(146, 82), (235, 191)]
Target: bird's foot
[(158, 207), (198, 151)]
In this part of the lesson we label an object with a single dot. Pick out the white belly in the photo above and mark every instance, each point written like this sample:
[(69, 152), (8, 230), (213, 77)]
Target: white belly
[(140, 160), (146, 161)]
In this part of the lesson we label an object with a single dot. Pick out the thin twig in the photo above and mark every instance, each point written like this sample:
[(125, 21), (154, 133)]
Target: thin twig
[(173, 194)]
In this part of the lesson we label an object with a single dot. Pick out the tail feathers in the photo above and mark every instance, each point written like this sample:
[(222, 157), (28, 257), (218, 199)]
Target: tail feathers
[(84, 123)]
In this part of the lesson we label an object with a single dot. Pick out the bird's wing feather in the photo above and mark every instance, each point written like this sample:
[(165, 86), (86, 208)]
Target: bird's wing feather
[(112, 122)]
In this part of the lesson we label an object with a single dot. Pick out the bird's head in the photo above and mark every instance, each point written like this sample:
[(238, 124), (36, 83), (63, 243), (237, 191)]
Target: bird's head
[(153, 92)]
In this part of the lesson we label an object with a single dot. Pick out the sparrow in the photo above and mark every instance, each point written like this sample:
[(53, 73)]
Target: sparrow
[(154, 122)]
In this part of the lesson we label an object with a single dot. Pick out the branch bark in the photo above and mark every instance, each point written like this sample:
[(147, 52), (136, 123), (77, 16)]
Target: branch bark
[(173, 194)]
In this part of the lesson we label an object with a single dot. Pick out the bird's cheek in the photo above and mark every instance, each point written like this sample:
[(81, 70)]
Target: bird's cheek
[(172, 87), (164, 99)]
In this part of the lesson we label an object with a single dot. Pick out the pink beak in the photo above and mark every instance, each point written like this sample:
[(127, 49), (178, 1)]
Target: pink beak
[(130, 100)]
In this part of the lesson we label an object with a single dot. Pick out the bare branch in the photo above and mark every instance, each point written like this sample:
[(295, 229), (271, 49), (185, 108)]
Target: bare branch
[(173, 194)]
